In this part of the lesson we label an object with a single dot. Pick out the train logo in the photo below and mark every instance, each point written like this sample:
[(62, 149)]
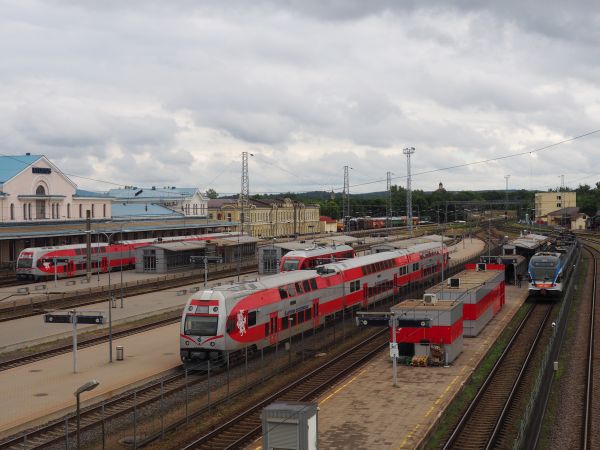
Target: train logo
[(241, 322)]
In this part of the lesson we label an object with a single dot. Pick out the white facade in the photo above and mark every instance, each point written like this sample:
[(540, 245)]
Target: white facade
[(41, 192)]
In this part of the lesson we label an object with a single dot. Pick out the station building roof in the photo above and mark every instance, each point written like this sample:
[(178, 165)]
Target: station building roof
[(10, 166), (91, 194), (156, 193), (179, 246), (120, 210)]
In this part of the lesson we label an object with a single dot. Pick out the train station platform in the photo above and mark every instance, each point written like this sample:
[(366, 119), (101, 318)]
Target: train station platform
[(366, 411), (33, 393)]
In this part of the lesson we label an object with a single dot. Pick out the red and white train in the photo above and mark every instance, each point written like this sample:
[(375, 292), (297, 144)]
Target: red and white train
[(260, 313), (313, 257), (39, 262)]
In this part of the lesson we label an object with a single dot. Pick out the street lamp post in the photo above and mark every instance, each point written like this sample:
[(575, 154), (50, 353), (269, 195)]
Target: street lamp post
[(110, 293), (86, 387)]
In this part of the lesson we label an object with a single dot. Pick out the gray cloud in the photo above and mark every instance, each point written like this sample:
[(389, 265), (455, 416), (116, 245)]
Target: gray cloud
[(172, 93)]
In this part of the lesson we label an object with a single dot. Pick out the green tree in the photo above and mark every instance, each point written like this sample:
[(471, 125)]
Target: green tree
[(211, 193)]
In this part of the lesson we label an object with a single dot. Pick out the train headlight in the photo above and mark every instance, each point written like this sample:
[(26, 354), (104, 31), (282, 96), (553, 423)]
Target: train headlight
[(215, 309), (212, 344), (187, 342)]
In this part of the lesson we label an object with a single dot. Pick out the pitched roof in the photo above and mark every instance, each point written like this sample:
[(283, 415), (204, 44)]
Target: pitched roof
[(11, 166), (570, 211), (84, 193), (157, 193), (141, 210)]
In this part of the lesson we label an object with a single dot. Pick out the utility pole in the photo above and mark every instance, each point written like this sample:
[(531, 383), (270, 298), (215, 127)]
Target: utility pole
[(245, 192), (88, 246), (506, 198), (389, 200), (346, 194), (409, 217)]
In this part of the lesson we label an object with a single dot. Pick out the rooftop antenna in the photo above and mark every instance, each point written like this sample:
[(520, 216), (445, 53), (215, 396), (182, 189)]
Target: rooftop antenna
[(409, 216)]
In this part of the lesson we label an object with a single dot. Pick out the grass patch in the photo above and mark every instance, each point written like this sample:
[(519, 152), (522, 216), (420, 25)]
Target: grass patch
[(454, 411)]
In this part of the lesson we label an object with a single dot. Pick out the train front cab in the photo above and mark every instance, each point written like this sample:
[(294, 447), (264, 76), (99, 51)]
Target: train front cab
[(202, 329)]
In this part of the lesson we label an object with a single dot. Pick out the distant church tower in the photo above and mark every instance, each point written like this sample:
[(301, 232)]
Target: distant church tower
[(441, 188)]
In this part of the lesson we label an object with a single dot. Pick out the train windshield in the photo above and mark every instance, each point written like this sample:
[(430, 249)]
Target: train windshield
[(290, 264), (201, 325), (542, 270), (24, 263)]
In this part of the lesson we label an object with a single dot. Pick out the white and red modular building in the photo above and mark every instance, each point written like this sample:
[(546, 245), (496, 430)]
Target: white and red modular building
[(458, 307), (481, 289), (427, 323)]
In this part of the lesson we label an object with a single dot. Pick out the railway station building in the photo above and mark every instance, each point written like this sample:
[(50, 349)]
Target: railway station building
[(41, 206), (547, 202), (268, 218)]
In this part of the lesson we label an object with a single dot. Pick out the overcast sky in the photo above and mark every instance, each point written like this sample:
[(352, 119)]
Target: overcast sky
[(162, 93)]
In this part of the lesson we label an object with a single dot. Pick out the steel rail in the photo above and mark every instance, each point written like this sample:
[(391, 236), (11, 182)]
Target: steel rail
[(247, 414), (488, 380), (587, 422)]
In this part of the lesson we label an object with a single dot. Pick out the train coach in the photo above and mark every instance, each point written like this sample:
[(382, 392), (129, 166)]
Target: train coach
[(66, 261), (261, 313), (313, 257)]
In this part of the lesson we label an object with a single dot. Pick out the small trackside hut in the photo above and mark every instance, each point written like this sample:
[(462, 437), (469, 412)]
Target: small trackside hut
[(429, 328), (481, 288)]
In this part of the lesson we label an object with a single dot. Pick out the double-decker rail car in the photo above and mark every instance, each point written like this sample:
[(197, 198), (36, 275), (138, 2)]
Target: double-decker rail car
[(313, 257), (260, 313), (549, 271), (65, 261)]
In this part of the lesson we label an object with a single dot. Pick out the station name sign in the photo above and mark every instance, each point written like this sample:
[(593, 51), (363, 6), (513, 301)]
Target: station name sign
[(45, 170)]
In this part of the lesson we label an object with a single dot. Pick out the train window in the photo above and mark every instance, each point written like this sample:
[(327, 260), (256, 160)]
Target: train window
[(267, 329), (284, 323), (364, 271), (251, 318), (300, 317), (299, 288), (291, 290), (313, 283), (306, 286), (307, 314), (283, 293), (415, 266)]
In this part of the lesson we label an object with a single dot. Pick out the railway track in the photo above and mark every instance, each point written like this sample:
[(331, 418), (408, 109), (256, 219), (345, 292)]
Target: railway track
[(83, 343), (241, 429), (590, 436), (481, 425)]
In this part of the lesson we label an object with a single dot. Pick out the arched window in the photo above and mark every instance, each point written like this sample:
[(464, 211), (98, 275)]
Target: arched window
[(68, 210), (104, 210), (58, 210), (40, 205), (80, 211), (93, 210), (12, 211)]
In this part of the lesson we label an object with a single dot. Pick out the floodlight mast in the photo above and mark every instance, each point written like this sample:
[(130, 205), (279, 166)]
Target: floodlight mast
[(409, 216)]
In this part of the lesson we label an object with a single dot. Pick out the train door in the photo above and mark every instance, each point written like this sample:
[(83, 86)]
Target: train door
[(104, 264), (366, 295), (70, 268), (395, 284), (315, 312), (273, 328)]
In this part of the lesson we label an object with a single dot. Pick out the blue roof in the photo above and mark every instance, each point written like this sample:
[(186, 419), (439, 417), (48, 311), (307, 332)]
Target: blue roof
[(141, 210), (13, 165), (158, 193), (84, 193)]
